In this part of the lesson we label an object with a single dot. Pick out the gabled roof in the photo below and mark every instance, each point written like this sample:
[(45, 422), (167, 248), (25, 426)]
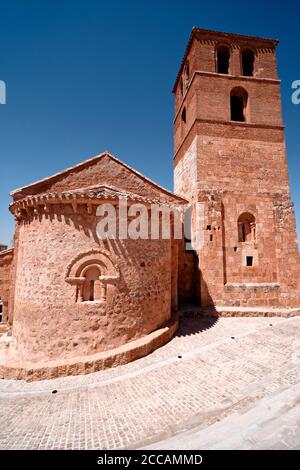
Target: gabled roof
[(210, 32), (88, 162)]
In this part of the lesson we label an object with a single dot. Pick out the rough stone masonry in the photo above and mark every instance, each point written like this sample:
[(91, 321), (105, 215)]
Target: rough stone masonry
[(73, 304)]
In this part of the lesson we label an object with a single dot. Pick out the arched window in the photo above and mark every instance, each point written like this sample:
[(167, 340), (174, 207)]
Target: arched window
[(183, 115), (90, 273), (238, 104), (247, 62), (223, 57), (91, 282), (246, 227)]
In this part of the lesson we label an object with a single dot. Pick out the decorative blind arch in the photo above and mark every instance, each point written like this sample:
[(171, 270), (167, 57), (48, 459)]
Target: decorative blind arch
[(90, 272)]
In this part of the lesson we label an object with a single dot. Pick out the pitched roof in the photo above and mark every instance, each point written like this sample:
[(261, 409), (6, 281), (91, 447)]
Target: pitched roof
[(222, 34), (92, 161)]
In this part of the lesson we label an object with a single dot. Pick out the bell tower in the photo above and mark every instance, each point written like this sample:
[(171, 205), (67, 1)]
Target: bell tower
[(230, 160)]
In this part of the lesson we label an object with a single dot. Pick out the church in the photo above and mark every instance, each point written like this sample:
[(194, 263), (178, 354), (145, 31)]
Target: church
[(73, 303)]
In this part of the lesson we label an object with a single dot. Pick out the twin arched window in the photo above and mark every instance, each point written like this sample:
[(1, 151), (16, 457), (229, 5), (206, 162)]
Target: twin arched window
[(223, 60)]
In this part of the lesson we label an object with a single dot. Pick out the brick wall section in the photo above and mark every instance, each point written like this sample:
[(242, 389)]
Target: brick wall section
[(208, 98)]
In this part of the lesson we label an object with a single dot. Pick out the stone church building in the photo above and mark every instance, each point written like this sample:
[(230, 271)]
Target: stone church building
[(72, 303)]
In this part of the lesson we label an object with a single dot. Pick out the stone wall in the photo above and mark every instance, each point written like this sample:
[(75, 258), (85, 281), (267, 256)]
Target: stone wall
[(51, 322), (6, 258)]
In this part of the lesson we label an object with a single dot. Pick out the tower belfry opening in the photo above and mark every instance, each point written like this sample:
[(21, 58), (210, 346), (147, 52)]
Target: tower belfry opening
[(223, 57)]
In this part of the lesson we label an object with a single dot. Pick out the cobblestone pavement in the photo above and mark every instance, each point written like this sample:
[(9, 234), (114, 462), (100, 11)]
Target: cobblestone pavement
[(215, 372)]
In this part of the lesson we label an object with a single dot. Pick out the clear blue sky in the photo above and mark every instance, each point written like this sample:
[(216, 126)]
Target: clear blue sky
[(87, 76)]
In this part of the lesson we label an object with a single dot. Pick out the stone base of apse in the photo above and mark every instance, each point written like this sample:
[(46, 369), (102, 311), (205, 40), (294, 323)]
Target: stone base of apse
[(4, 327), (229, 311), (88, 364)]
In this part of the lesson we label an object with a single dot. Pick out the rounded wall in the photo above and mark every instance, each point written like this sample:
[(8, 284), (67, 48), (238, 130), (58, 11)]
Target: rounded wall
[(53, 318)]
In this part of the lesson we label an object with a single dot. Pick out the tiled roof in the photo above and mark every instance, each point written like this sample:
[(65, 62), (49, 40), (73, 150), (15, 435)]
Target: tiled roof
[(91, 161)]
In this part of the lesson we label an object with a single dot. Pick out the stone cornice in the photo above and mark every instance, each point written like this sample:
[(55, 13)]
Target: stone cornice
[(90, 197), (235, 124)]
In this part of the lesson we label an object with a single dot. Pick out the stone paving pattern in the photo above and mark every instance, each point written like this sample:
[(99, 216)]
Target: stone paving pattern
[(227, 366)]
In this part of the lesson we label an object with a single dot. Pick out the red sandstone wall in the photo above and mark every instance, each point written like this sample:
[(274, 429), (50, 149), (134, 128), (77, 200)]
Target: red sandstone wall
[(209, 99), (49, 323), (6, 259)]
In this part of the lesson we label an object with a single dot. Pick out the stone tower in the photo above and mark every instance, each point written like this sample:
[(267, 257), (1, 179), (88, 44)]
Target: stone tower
[(230, 158)]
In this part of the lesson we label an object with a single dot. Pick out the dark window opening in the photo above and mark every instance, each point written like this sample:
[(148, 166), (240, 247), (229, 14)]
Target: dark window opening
[(247, 62), (187, 243), (90, 286), (211, 238), (223, 56), (249, 260), (235, 248), (238, 104), (237, 109), (246, 228), (92, 290), (183, 115), (208, 227)]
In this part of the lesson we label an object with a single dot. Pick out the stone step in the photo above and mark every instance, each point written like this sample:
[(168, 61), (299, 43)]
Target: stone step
[(232, 311)]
